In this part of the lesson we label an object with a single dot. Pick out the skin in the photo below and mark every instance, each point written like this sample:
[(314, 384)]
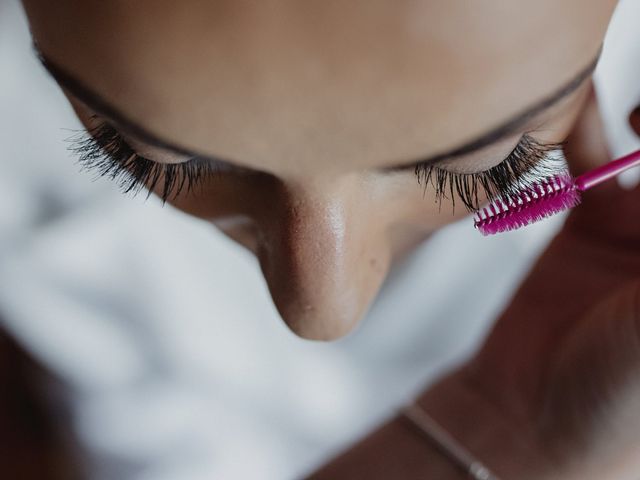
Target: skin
[(315, 98), (293, 91)]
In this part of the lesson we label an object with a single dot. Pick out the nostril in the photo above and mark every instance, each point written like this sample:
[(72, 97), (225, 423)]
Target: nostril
[(634, 120)]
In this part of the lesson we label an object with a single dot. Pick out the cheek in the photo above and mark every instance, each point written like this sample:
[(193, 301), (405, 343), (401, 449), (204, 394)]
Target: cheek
[(241, 229), (225, 195)]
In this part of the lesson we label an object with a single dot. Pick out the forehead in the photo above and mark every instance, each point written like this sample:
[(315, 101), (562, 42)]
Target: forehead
[(275, 82)]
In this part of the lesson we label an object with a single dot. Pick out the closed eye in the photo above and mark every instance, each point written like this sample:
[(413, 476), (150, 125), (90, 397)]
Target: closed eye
[(105, 151), (528, 162)]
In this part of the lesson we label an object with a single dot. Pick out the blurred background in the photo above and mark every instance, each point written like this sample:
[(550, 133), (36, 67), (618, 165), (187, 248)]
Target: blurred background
[(138, 343)]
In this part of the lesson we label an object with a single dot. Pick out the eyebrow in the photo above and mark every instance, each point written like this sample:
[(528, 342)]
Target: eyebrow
[(103, 108)]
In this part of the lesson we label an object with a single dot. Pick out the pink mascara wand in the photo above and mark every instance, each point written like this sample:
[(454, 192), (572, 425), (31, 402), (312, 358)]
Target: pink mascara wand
[(544, 199)]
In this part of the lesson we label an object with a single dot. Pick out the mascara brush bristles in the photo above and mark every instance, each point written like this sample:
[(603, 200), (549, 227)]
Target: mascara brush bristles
[(542, 200)]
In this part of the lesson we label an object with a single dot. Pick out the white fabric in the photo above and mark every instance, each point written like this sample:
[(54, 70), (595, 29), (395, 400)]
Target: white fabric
[(176, 363)]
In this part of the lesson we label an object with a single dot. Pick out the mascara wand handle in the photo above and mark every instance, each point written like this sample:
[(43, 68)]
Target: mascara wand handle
[(608, 170)]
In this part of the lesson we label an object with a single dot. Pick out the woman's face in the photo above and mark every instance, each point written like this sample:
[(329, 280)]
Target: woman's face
[(306, 108)]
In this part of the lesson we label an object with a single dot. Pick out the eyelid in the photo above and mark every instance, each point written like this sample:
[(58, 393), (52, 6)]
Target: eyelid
[(165, 157), (155, 154), (516, 139), (146, 151), (484, 159)]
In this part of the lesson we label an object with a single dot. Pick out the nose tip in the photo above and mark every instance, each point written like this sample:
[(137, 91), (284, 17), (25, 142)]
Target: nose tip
[(316, 261), (317, 302), (313, 321)]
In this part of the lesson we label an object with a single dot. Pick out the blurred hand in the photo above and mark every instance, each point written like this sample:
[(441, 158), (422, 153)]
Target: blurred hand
[(561, 367)]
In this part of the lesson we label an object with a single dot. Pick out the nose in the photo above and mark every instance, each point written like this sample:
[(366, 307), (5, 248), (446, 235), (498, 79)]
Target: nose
[(323, 255)]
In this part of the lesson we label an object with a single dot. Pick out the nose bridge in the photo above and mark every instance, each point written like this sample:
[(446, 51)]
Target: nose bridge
[(314, 213), (318, 218), (315, 241), (309, 235)]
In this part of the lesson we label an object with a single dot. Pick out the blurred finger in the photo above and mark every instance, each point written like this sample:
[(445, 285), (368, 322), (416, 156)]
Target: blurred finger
[(634, 120), (608, 212)]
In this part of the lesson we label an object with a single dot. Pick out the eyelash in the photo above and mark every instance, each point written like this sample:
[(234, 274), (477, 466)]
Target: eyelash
[(103, 150), (527, 163)]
